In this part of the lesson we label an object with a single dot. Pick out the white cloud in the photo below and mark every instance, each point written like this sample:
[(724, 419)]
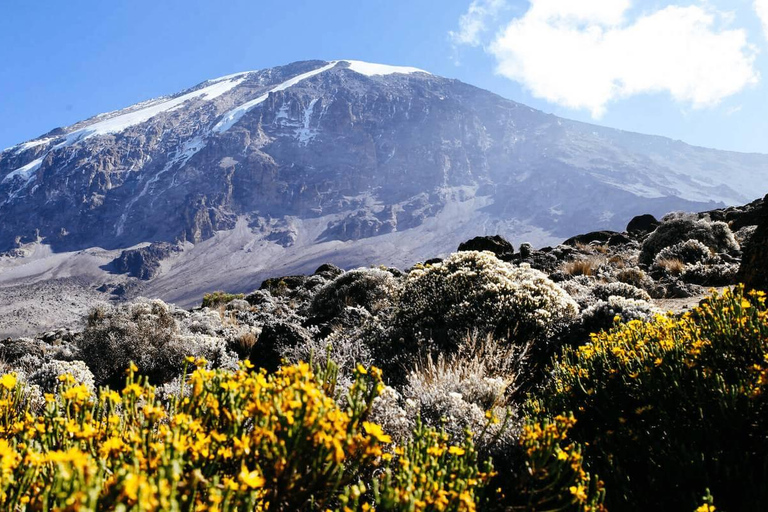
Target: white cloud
[(474, 23), (602, 12), (761, 8), (585, 54)]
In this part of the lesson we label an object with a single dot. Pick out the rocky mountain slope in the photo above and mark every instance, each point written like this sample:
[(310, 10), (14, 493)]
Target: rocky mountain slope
[(275, 171)]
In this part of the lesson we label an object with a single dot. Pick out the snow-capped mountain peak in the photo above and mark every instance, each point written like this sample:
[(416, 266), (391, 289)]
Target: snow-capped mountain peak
[(359, 161)]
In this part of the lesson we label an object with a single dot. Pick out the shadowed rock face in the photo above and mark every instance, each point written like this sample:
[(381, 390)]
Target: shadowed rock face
[(143, 263), (754, 263)]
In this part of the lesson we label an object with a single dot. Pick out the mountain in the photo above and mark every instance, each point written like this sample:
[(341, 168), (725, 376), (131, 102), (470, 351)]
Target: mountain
[(276, 171)]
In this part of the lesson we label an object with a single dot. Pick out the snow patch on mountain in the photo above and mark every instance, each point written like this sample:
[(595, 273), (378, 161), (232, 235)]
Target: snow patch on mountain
[(242, 74), (364, 68), (371, 69), (20, 148), (24, 172), (305, 133), (121, 122), (233, 116)]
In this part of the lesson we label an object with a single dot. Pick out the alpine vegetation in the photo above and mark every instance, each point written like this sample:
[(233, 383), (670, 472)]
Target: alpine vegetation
[(487, 380), (475, 291)]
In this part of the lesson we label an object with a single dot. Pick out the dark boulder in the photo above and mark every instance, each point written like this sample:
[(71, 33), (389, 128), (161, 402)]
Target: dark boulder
[(280, 285), (602, 237), (495, 244), (328, 271), (642, 224), (754, 262), (275, 337), (738, 217), (619, 239), (13, 350), (539, 260), (144, 262)]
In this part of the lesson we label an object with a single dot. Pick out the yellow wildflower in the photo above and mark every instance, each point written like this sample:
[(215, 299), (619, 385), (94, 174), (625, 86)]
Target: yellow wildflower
[(375, 431), (8, 381)]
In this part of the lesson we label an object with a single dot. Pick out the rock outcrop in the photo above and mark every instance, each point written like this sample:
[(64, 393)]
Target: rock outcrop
[(143, 263), (753, 271), (495, 244), (642, 224)]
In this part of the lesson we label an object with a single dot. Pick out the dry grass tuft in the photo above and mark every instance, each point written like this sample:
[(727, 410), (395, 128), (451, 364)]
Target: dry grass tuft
[(592, 248), (246, 342), (671, 266), (618, 262), (585, 266)]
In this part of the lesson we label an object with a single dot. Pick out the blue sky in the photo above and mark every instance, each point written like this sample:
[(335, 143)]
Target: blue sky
[(690, 70)]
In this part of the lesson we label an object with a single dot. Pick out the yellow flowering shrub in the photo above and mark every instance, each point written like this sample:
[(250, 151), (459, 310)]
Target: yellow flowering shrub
[(426, 474), (231, 441), (671, 407), (239, 441), (554, 477)]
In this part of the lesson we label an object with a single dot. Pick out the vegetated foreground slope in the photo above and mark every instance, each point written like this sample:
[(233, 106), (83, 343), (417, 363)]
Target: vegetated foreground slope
[(279, 170), (493, 379)]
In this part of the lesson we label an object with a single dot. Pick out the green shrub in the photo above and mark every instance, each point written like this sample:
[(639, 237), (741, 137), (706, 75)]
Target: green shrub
[(219, 298), (673, 407)]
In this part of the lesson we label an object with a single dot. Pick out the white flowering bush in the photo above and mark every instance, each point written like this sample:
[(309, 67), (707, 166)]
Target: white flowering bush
[(347, 348), (148, 333), (27, 364), (370, 288), (603, 291), (744, 235), (604, 313), (47, 376), (397, 415), (689, 252), (470, 390), (448, 390), (30, 397), (580, 289), (677, 228), (475, 291), (719, 274)]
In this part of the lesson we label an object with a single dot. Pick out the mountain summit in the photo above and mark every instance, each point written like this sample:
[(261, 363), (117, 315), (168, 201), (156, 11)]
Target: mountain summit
[(275, 171)]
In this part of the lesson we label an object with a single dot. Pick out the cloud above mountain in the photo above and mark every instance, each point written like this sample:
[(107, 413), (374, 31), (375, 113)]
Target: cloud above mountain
[(761, 8), (476, 21), (590, 53)]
